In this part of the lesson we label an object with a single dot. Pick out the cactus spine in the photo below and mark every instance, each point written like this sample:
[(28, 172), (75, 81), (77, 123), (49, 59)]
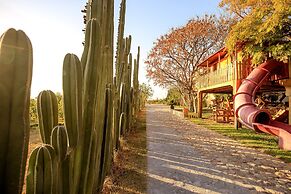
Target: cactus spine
[(15, 83)]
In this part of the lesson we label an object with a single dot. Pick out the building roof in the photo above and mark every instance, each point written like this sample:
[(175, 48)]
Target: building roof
[(214, 57)]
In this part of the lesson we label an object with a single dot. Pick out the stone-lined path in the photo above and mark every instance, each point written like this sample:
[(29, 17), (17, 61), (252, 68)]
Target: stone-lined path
[(186, 158)]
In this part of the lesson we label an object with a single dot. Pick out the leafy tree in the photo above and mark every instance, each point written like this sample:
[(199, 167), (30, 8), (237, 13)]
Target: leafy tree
[(174, 57), (173, 96), (33, 111), (264, 28), (60, 107), (146, 92)]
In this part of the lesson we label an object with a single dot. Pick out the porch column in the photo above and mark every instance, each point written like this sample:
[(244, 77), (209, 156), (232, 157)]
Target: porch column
[(200, 104), (236, 85), (287, 84)]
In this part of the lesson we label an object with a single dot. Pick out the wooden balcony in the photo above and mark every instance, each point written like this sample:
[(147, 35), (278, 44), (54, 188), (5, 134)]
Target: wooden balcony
[(222, 78)]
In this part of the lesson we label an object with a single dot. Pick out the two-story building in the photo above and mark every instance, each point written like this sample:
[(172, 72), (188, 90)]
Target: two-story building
[(223, 74)]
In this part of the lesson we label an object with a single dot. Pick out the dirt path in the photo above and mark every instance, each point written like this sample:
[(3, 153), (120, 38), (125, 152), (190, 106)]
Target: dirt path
[(185, 158)]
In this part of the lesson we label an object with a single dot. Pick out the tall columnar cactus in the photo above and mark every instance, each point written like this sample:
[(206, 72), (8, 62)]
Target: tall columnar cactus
[(126, 81), (96, 105), (42, 171), (121, 125), (120, 42), (47, 109), (102, 11), (72, 97), (129, 99), (122, 109), (89, 99), (120, 65), (73, 110), (136, 84), (15, 83), (107, 143)]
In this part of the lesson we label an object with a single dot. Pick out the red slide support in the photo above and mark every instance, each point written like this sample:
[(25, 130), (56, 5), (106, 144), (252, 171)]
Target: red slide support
[(253, 117)]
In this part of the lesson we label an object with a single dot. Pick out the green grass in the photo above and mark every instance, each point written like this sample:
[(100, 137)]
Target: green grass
[(261, 141), (178, 108)]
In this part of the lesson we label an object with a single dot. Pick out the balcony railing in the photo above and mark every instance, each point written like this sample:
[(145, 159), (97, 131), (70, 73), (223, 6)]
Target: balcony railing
[(223, 75)]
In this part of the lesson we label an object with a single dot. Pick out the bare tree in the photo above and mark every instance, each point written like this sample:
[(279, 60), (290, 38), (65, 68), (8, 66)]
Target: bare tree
[(174, 58)]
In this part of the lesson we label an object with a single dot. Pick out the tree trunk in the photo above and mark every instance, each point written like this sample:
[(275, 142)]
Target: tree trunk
[(195, 103), (190, 102), (184, 100)]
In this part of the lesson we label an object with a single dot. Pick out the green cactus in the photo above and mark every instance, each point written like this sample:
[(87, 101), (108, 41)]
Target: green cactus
[(96, 105), (136, 84), (89, 104), (106, 154), (89, 186), (41, 174), (128, 92), (72, 95), (131, 107), (15, 83), (122, 50), (47, 110), (59, 141), (122, 108), (120, 44), (121, 66), (103, 12), (115, 114), (121, 124)]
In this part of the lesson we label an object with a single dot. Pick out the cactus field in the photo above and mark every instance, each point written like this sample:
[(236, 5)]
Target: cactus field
[(75, 154)]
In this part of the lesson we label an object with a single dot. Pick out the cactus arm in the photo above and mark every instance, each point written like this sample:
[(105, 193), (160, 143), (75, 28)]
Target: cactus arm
[(42, 171), (59, 141), (30, 180), (47, 109), (72, 95)]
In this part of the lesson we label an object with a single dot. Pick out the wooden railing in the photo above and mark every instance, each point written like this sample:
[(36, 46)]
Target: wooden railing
[(223, 75), (218, 76)]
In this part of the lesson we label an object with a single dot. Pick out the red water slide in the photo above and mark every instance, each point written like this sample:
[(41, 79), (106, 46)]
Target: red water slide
[(253, 117)]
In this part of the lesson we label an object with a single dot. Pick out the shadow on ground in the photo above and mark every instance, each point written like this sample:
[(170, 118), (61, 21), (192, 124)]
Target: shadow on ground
[(166, 154), (129, 170)]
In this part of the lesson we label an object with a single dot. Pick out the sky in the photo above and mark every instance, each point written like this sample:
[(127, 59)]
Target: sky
[(55, 28)]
